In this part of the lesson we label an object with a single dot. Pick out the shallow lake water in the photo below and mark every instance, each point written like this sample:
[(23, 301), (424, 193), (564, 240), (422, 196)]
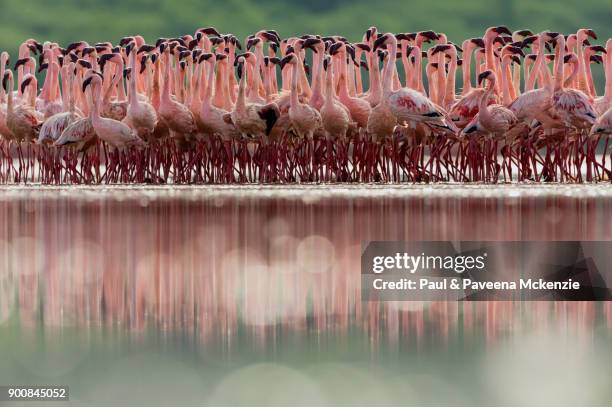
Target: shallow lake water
[(250, 295)]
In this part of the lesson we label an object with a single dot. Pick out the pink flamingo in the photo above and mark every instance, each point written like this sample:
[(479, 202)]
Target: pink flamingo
[(114, 132), (140, 115), (176, 115), (494, 119), (571, 105), (55, 125), (22, 120)]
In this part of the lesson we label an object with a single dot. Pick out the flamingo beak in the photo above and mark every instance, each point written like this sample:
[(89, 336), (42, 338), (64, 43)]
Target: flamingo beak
[(591, 34), (380, 41), (502, 29), (20, 62), (285, 61), (479, 42), (596, 59), (483, 76), (5, 81), (86, 83), (25, 83), (525, 33)]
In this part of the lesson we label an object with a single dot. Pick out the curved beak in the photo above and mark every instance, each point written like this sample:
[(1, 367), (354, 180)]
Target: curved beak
[(502, 29)]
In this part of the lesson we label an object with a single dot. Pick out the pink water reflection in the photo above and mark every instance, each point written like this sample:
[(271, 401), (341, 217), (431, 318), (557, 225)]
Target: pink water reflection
[(208, 263)]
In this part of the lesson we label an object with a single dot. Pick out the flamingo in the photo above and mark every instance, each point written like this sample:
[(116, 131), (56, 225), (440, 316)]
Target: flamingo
[(359, 108), (114, 132), (22, 120), (495, 119), (4, 130), (571, 105), (177, 116), (252, 120), (212, 117), (55, 125), (114, 109), (407, 105), (305, 120), (603, 103), (140, 115)]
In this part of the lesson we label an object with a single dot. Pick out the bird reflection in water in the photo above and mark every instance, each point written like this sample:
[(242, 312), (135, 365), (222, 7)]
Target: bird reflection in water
[(215, 264)]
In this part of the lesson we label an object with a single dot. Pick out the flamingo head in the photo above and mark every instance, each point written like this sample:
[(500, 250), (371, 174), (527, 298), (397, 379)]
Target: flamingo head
[(34, 46), (289, 59), (28, 80), (208, 31), (268, 36), (384, 40), (427, 36), (486, 75), (492, 32), (593, 49), (20, 62), (315, 44), (145, 48), (586, 32), (520, 35), (239, 66), (112, 58), (91, 78)]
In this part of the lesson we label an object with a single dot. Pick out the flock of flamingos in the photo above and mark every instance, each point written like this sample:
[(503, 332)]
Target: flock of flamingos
[(209, 109)]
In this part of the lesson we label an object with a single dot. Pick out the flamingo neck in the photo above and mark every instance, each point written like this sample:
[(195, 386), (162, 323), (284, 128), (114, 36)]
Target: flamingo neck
[(10, 102), (241, 98), (389, 68), (209, 85), (358, 82), (2, 69), (294, 85), (582, 64), (466, 70), (574, 73), (418, 57), (589, 74), (559, 64), (483, 110), (329, 86), (132, 95), (375, 85), (95, 105), (505, 80), (317, 76), (165, 96), (489, 55), (450, 81), (537, 66), (608, 72)]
